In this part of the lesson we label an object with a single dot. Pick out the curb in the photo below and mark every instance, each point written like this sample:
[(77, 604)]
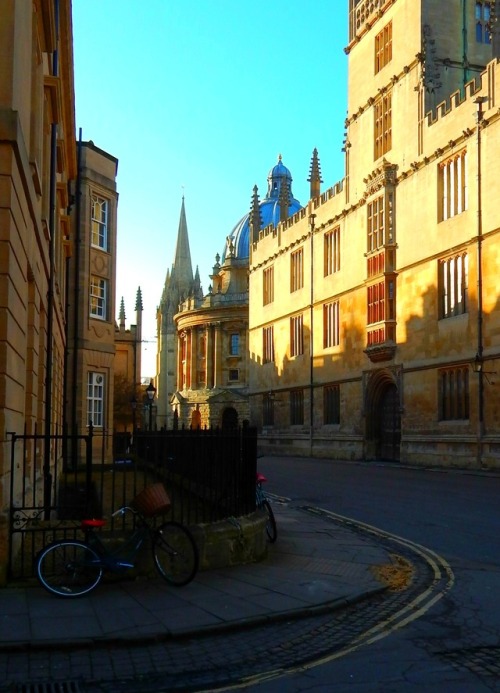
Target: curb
[(190, 633)]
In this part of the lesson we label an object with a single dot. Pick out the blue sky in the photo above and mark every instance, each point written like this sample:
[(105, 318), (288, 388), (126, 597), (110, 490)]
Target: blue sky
[(198, 98)]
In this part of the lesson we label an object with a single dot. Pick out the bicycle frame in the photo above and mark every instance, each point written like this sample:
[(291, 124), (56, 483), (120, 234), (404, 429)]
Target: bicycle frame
[(123, 557)]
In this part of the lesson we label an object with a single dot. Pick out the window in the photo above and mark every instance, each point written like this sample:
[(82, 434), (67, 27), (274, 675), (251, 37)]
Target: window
[(376, 303), (268, 285), (296, 270), (234, 344), (268, 344), (383, 47), (331, 335), (452, 285), (268, 409), (332, 251), (296, 335), (234, 374), (483, 22), (95, 399), (99, 222), (331, 404), (296, 407), (454, 393), (383, 125), (98, 297), (376, 224), (453, 186)]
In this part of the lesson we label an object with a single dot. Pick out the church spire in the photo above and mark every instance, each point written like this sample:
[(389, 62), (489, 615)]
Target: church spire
[(138, 315), (315, 176), (122, 314), (183, 268), (138, 300)]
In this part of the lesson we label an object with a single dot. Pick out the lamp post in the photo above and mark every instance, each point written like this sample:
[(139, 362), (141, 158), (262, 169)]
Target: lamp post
[(150, 391), (133, 404)]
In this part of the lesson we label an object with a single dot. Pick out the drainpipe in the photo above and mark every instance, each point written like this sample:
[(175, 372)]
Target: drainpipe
[(47, 475), (479, 355), (465, 61), (76, 304), (312, 218)]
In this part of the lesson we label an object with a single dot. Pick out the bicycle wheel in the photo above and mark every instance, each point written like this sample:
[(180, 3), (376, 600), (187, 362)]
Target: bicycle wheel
[(175, 553), (271, 527), (68, 568)]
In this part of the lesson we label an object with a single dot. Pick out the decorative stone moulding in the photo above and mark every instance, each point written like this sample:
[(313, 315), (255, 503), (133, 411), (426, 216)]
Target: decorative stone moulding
[(381, 352)]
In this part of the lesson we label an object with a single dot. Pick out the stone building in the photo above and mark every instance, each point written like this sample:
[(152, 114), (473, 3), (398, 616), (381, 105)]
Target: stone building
[(37, 164), (91, 297), (203, 339), (383, 339), (58, 229), (127, 369), (179, 283)]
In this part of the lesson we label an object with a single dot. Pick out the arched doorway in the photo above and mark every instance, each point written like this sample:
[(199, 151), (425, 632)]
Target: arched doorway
[(230, 418), (383, 429), (196, 418)]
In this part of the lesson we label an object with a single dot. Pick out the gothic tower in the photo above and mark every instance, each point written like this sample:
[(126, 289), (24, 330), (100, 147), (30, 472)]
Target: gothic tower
[(179, 285)]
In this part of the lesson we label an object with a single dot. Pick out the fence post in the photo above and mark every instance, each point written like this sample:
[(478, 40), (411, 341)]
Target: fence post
[(88, 466)]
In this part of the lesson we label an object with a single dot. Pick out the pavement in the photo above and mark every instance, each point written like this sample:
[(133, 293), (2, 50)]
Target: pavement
[(314, 566)]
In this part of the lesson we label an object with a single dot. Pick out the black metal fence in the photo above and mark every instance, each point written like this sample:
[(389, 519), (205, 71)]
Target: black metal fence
[(209, 475)]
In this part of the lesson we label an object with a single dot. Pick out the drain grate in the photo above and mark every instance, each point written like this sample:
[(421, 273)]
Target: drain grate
[(49, 687)]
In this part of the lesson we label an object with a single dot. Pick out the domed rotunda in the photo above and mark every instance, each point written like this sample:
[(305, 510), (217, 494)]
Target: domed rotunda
[(207, 354), (277, 205)]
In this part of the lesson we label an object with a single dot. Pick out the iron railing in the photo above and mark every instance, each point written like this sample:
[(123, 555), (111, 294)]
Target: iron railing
[(209, 475)]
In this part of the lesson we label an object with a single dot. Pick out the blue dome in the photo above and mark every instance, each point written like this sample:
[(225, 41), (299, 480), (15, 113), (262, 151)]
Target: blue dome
[(269, 210)]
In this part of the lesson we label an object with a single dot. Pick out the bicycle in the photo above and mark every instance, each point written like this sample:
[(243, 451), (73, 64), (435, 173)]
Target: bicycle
[(72, 568), (262, 503)]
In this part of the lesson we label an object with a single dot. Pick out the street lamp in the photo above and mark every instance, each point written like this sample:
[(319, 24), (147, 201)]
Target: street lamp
[(150, 391)]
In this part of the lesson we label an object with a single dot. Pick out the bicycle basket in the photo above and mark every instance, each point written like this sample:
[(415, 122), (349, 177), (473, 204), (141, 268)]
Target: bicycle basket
[(152, 500)]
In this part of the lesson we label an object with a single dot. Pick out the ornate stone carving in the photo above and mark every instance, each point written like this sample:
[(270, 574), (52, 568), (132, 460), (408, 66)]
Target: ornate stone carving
[(381, 177)]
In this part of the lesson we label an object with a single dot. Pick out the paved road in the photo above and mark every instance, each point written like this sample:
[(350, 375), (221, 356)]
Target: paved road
[(440, 635), (454, 646)]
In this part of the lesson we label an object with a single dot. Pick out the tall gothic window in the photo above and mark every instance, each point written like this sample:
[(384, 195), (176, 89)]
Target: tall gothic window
[(454, 393), (296, 335), (332, 251), (268, 344), (452, 285), (453, 186), (331, 324), (296, 407), (331, 404), (297, 270), (268, 285)]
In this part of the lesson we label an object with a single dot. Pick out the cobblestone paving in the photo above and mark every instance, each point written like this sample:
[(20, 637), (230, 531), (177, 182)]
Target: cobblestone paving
[(215, 660)]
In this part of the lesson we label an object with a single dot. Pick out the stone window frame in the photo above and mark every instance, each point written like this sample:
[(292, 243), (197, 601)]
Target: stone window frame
[(99, 235)]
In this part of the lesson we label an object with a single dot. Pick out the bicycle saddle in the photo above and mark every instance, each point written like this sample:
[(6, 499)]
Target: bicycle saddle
[(93, 523)]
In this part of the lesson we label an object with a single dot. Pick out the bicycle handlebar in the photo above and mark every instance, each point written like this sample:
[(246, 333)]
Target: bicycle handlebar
[(122, 511)]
